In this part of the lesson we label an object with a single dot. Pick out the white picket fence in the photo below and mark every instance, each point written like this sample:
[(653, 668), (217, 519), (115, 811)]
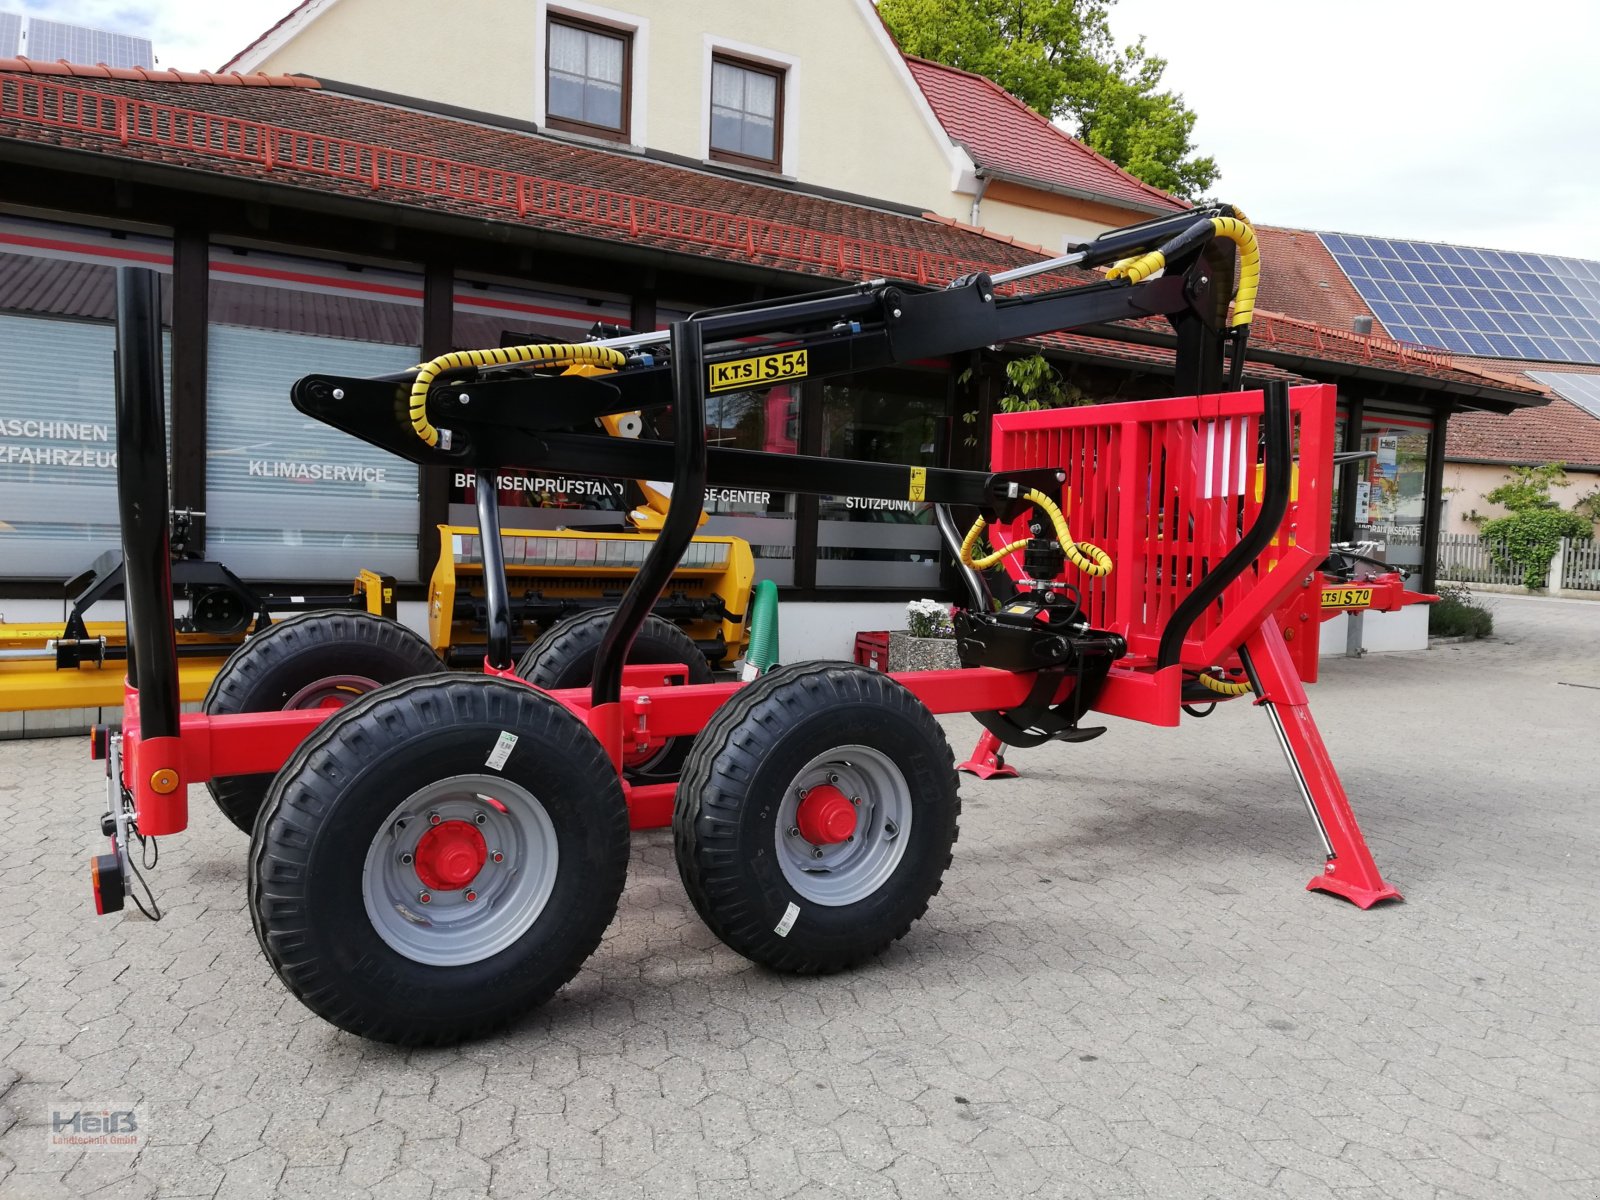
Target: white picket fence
[(1580, 565), (1468, 558)]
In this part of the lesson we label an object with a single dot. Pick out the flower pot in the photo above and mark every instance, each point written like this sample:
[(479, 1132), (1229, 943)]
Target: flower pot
[(907, 653)]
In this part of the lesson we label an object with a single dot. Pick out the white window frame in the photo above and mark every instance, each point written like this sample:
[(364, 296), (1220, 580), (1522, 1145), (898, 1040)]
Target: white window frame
[(789, 135), (637, 27)]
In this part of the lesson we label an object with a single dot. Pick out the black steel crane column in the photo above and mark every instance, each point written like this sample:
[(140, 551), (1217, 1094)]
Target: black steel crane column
[(142, 501), (683, 514)]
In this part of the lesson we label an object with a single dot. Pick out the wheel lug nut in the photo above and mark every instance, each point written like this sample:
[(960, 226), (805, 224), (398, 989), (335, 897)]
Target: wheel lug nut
[(803, 792), (481, 819), (817, 853), (794, 831), (434, 818), (833, 779), (856, 800), (471, 896), (426, 897), (406, 860), (498, 857)]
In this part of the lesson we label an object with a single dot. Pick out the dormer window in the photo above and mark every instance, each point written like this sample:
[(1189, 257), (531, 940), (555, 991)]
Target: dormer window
[(588, 77), (746, 113)]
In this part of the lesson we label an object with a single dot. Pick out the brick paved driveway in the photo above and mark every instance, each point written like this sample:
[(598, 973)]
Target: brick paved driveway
[(1122, 991)]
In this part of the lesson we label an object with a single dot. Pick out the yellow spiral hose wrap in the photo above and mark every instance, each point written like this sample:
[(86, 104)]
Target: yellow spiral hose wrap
[(1222, 687), (1240, 234), (1088, 558), (971, 541), (550, 354), (1138, 268)]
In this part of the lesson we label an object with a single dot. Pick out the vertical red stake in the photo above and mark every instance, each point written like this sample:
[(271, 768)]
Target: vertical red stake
[(1350, 871)]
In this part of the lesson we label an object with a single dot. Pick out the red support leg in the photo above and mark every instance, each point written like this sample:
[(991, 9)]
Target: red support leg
[(988, 759), (1350, 871)]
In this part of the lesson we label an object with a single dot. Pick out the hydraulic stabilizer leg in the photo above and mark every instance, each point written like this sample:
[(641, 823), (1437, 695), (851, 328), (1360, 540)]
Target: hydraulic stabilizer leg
[(1350, 871), (988, 759)]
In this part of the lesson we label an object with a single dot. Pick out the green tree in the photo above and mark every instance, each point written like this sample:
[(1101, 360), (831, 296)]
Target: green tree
[(1531, 535), (1058, 57)]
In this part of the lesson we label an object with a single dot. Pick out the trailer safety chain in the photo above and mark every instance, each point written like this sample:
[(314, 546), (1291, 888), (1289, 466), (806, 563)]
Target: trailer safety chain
[(547, 354), (1087, 557)]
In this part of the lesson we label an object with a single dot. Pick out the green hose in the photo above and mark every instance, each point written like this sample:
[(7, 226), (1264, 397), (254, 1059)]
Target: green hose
[(763, 652)]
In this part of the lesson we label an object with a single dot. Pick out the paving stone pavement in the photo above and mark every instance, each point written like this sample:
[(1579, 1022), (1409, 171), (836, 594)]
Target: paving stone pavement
[(1123, 990)]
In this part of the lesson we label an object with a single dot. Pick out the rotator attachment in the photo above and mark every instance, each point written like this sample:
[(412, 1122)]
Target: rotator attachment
[(1043, 628)]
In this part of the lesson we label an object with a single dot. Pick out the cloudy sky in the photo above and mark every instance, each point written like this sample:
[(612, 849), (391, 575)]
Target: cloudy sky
[(1458, 121), (1464, 121)]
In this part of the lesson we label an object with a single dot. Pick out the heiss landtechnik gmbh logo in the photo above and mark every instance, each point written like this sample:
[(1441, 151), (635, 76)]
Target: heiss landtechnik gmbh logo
[(113, 1125)]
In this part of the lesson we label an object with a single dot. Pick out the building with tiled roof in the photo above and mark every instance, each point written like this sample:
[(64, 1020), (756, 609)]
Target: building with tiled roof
[(305, 228), (1303, 276), (826, 103), (1032, 178)]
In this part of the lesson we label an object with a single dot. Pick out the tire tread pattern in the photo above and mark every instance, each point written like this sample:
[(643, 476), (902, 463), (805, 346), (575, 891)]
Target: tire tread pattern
[(714, 787), (305, 795)]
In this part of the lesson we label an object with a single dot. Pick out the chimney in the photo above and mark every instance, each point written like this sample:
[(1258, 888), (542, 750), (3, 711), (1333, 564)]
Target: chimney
[(1361, 325)]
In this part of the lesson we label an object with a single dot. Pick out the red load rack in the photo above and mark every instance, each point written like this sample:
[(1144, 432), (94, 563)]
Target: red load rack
[(1169, 488)]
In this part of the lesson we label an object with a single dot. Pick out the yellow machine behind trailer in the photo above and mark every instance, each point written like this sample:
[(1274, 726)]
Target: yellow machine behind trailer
[(47, 666), (555, 574)]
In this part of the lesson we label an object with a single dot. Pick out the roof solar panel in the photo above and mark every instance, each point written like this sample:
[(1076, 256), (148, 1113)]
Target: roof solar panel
[(10, 35), (1582, 390), (1493, 303), (52, 40)]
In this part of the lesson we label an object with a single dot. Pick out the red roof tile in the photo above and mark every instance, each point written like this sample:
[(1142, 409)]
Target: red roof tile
[(1299, 277), (1002, 133), (1557, 432), (28, 66), (326, 142)]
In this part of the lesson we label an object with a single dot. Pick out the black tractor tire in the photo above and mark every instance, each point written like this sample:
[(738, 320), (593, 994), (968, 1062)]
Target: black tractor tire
[(315, 659), (732, 818), (333, 809), (564, 655)]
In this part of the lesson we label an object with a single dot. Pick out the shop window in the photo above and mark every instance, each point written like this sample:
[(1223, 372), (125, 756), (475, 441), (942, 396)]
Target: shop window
[(882, 416), (490, 313), (58, 466), (588, 78), (288, 497), (746, 113), (1391, 494), (765, 420)]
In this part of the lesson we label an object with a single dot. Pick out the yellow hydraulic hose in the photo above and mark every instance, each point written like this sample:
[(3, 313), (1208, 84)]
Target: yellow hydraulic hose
[(988, 560), (1088, 558), (1240, 234), (1233, 229), (552, 354), (1222, 687)]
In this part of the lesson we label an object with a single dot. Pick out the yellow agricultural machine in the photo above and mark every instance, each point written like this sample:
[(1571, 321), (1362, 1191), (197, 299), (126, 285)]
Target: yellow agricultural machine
[(553, 576)]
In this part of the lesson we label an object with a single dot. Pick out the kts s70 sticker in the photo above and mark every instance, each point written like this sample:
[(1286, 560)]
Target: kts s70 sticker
[(1346, 597)]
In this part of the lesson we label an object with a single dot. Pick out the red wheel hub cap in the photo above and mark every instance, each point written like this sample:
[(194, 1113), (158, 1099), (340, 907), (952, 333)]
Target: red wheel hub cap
[(826, 817), (450, 855)]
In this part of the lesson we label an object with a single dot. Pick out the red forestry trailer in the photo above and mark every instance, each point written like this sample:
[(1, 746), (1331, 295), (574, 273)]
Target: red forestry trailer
[(441, 855)]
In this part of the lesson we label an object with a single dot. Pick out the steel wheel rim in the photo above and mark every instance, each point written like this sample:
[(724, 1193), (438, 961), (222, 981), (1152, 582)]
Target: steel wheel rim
[(449, 930), (341, 689), (847, 872)]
